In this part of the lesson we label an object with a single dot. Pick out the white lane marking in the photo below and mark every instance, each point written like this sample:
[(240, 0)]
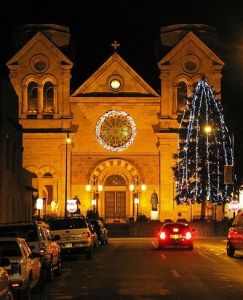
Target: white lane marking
[(206, 257), (176, 274), (155, 245), (162, 256)]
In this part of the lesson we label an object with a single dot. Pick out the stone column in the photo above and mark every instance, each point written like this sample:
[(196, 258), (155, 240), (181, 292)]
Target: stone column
[(40, 99), (24, 100)]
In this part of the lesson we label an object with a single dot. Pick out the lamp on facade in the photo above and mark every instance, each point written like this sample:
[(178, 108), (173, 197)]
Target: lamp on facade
[(39, 206), (67, 142), (137, 186), (95, 188)]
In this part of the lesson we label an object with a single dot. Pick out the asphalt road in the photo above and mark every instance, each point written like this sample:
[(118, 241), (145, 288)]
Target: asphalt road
[(134, 269)]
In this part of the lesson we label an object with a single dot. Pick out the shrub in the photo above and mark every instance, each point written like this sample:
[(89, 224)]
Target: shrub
[(142, 218)]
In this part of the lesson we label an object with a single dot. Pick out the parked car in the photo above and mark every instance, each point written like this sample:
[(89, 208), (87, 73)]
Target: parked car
[(37, 236), (101, 231), (5, 292), (235, 235), (175, 234), (94, 236), (23, 265), (73, 236)]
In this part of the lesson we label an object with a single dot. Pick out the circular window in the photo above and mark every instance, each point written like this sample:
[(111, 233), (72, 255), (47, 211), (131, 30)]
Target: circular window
[(39, 63), (190, 64), (115, 130), (115, 83)]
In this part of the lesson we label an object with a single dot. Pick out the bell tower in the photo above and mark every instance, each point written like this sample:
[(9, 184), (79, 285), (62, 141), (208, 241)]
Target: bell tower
[(188, 56), (40, 74)]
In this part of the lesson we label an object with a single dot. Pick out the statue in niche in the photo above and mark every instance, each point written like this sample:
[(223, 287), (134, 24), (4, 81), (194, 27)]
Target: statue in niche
[(154, 201)]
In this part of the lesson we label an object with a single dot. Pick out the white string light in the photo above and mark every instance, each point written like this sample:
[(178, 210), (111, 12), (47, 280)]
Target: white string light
[(200, 166)]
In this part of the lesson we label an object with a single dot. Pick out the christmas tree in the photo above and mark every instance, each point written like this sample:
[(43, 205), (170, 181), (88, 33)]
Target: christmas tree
[(204, 148)]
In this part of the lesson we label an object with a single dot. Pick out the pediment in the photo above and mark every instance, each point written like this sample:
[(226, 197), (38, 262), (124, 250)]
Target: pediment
[(191, 41), (38, 42), (115, 71)]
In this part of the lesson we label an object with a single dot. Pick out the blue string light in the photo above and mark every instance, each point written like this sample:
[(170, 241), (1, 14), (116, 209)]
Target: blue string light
[(202, 155)]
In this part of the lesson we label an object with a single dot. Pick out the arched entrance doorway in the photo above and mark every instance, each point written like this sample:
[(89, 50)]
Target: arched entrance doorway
[(115, 198)]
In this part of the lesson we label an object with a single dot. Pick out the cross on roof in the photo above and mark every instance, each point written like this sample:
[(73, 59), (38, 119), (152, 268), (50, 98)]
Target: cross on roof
[(115, 45)]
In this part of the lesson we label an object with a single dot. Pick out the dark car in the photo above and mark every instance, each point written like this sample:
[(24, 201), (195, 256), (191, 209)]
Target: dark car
[(175, 234), (235, 235), (101, 231)]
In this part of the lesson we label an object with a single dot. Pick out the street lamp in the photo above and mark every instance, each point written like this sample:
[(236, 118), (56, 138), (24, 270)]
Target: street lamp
[(136, 201), (68, 142), (134, 187), (39, 206), (96, 189)]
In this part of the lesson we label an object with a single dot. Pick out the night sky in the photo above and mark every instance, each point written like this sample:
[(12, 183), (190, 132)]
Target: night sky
[(136, 25)]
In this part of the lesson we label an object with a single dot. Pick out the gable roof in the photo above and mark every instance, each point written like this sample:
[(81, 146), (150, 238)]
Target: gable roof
[(39, 37), (97, 83), (191, 37)]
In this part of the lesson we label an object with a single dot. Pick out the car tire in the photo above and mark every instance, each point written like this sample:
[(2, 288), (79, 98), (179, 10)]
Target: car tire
[(57, 272), (22, 294), (9, 296), (49, 274), (230, 250), (88, 254), (190, 247)]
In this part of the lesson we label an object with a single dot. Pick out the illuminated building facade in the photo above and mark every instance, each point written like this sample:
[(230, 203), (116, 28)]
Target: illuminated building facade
[(123, 132)]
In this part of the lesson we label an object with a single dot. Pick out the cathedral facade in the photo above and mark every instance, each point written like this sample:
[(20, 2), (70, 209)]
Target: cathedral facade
[(110, 143)]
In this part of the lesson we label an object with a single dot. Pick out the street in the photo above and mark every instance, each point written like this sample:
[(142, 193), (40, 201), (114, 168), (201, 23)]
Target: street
[(134, 269)]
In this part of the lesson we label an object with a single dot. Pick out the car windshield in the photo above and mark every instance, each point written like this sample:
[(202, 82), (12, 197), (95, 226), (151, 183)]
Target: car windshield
[(9, 248), (61, 224), (170, 226), (28, 232)]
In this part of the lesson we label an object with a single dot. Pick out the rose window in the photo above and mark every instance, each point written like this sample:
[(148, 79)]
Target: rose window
[(115, 130)]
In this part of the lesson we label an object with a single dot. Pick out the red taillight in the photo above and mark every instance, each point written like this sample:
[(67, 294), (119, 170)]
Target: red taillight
[(175, 229), (188, 235), (162, 235)]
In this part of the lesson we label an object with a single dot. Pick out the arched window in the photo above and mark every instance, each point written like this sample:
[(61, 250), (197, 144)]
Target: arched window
[(48, 175), (181, 96), (48, 97), (115, 180), (32, 97)]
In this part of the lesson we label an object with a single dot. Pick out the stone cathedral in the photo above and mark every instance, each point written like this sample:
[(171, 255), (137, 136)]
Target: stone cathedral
[(111, 142)]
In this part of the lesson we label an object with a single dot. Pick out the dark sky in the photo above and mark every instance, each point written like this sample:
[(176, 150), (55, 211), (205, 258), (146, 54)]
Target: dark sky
[(135, 24)]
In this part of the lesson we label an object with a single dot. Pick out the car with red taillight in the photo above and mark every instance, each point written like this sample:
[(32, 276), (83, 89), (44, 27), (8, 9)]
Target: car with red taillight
[(175, 235), (235, 235), (73, 236)]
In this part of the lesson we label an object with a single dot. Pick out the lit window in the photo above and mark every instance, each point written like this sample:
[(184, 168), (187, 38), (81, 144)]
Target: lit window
[(181, 96), (32, 93), (48, 97), (115, 84), (115, 130)]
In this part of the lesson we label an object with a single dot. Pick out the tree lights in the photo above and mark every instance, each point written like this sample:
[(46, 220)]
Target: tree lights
[(204, 148)]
